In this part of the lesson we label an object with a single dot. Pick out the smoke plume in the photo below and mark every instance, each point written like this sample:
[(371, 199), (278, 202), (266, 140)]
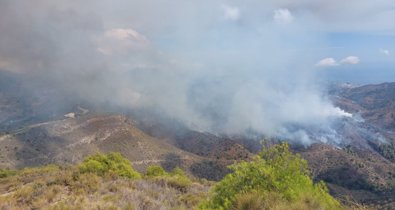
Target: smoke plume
[(218, 66)]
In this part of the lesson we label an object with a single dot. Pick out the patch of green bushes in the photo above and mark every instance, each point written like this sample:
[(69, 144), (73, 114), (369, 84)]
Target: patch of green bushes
[(176, 178), (275, 171), (155, 171), (113, 164)]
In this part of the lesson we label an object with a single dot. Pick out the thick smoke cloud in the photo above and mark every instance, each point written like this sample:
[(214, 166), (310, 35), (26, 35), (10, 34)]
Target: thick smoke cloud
[(218, 66)]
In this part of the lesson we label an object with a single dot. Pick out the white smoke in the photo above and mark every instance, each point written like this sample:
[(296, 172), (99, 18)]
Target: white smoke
[(190, 60)]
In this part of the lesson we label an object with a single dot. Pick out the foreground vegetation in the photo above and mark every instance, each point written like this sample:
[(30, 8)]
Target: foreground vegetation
[(100, 182), (275, 179)]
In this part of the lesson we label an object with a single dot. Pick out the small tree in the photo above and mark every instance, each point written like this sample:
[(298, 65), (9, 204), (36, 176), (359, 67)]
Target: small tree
[(274, 170)]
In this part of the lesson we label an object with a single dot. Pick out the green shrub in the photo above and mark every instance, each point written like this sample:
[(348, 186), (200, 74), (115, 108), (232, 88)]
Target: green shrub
[(175, 179), (181, 183), (113, 163), (6, 173), (274, 170), (155, 171), (177, 171), (179, 179)]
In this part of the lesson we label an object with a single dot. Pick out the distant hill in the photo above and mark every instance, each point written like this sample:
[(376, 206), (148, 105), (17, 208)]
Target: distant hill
[(375, 103), (70, 140), (363, 168)]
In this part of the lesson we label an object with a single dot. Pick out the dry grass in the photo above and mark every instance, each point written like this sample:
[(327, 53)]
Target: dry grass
[(64, 188)]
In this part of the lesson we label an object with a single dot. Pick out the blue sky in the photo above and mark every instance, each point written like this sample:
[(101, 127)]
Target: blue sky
[(375, 51)]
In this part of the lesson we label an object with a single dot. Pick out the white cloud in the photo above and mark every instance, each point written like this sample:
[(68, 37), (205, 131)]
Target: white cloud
[(124, 34), (120, 40), (327, 62), (384, 51), (231, 13), (351, 60), (330, 62), (282, 16)]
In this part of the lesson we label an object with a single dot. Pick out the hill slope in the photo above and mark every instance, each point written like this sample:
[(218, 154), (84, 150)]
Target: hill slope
[(70, 140)]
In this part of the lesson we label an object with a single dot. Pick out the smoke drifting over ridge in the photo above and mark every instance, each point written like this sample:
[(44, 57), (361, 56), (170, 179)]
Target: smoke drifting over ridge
[(213, 65)]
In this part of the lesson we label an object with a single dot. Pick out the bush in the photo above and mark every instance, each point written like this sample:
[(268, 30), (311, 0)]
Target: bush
[(177, 171), (274, 170), (6, 173), (155, 171), (179, 182), (113, 163), (175, 179)]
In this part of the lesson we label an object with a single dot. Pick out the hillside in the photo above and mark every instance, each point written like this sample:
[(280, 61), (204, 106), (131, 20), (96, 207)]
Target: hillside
[(274, 179), (69, 140), (358, 175), (361, 169), (375, 103)]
